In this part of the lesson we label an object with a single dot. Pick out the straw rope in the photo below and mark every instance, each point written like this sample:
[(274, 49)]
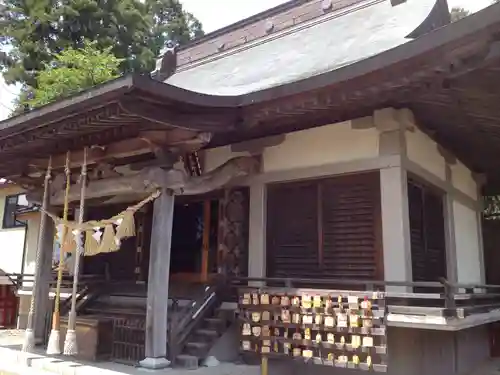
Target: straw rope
[(88, 225), (54, 346), (70, 343)]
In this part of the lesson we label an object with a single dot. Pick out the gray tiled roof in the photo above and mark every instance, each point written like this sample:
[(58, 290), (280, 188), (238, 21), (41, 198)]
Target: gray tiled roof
[(321, 46)]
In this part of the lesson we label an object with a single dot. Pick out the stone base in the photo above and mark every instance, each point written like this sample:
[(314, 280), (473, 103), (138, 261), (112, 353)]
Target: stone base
[(154, 363)]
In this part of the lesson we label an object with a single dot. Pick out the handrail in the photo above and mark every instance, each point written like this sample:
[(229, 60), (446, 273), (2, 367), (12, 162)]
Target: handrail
[(189, 318), (372, 284), (455, 300)]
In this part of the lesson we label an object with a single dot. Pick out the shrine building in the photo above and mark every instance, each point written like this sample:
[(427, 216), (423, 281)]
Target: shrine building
[(340, 148)]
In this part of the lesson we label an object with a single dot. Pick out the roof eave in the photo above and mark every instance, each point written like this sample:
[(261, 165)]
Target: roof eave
[(110, 88)]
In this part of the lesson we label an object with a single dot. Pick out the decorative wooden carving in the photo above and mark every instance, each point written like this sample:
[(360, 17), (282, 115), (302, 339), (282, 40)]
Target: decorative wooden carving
[(168, 63), (151, 179), (103, 171), (233, 232)]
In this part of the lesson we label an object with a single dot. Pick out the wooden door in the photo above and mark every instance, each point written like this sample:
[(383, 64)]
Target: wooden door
[(8, 306)]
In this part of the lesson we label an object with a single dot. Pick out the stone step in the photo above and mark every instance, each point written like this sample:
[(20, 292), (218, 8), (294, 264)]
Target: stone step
[(217, 324), (206, 335), (186, 361), (197, 349), (225, 314)]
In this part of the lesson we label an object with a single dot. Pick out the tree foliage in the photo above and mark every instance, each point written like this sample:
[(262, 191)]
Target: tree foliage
[(457, 13), (134, 30), (74, 70)]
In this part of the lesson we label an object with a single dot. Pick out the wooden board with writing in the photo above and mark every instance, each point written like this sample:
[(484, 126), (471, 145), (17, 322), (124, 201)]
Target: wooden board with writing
[(333, 328)]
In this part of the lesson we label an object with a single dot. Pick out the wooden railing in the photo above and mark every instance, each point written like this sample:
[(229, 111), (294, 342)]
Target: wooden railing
[(442, 298), (25, 281)]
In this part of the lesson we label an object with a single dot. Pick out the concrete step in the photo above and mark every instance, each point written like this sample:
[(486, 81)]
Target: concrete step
[(216, 324), (225, 314), (197, 349), (186, 361), (206, 335)]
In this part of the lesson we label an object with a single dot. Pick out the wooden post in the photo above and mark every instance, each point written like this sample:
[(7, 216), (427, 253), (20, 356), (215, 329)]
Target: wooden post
[(264, 366), (158, 280), (42, 299), (206, 241), (29, 340)]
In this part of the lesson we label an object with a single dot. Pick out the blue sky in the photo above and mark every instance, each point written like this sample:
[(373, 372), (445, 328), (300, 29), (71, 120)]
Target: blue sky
[(215, 14)]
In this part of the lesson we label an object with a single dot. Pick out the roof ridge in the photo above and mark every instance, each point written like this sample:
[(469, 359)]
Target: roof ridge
[(362, 4), (244, 22)]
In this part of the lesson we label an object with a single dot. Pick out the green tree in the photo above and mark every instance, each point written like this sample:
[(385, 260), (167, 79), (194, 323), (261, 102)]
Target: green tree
[(37, 30), (74, 70)]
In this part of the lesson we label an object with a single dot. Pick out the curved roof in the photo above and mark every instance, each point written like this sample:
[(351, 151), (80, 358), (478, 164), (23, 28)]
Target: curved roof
[(336, 40)]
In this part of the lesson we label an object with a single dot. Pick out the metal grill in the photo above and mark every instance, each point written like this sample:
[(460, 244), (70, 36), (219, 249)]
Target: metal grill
[(128, 341)]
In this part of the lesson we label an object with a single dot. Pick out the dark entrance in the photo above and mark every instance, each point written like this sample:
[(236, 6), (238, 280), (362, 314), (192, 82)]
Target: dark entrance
[(117, 266), (194, 244), (194, 240)]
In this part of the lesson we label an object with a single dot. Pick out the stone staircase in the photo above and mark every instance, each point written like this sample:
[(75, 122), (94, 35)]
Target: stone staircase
[(203, 338), (200, 319)]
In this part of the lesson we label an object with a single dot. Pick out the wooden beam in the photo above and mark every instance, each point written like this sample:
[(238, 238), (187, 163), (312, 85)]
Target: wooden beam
[(150, 179), (121, 149), (209, 120), (186, 141)]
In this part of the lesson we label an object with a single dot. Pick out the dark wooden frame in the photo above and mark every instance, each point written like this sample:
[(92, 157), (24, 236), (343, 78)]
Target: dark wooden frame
[(16, 223), (379, 253), (425, 185)]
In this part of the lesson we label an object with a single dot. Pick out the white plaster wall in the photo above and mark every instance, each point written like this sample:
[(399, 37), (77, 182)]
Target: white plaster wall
[(310, 148), (467, 244), (462, 179), (423, 151), (11, 240), (31, 246)]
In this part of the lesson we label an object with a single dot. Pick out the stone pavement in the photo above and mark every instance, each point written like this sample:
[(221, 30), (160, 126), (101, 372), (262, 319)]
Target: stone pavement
[(14, 362), (491, 367)]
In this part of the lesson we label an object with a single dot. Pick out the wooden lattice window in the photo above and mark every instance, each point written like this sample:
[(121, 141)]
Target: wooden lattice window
[(12, 204), (427, 229), (327, 228)]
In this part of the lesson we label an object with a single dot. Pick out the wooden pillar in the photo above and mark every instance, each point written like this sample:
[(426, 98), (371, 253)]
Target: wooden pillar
[(158, 280), (233, 233), (395, 226), (42, 299)]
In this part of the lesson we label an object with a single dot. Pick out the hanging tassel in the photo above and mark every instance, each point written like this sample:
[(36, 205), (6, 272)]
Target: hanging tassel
[(91, 244), (69, 245), (126, 228), (108, 243)]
